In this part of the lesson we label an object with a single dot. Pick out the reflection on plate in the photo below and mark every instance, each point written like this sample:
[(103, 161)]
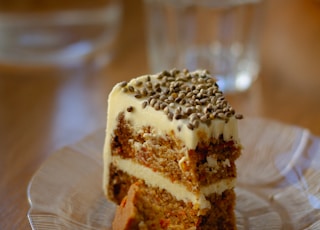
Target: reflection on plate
[(278, 182)]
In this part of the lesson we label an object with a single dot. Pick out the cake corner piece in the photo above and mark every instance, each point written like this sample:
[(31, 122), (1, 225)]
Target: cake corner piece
[(172, 137)]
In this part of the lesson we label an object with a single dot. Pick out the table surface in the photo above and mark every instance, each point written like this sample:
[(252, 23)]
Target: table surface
[(41, 114)]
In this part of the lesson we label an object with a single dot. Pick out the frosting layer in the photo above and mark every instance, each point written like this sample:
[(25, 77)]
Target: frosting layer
[(177, 190)]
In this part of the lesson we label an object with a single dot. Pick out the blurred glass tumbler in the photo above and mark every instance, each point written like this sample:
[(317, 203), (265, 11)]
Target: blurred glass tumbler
[(56, 35), (218, 35)]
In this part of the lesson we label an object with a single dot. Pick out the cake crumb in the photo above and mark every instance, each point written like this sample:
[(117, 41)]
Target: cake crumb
[(126, 217)]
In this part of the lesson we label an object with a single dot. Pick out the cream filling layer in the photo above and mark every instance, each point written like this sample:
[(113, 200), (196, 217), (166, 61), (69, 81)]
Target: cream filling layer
[(179, 191)]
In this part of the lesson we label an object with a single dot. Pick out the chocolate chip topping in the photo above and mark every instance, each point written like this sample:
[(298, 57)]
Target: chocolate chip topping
[(194, 96)]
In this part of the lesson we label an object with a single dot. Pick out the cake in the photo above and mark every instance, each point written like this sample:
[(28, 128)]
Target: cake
[(170, 150)]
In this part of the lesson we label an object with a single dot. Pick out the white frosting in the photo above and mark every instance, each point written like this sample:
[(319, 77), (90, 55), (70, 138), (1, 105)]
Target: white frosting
[(119, 101), (179, 191)]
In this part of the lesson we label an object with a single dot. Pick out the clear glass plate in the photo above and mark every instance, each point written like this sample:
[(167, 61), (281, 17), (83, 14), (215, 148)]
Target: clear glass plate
[(278, 182)]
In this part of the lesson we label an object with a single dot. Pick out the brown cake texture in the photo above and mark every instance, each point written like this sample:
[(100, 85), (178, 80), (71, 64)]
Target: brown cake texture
[(170, 151)]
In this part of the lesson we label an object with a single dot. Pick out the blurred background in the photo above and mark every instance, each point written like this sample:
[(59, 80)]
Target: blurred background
[(45, 107)]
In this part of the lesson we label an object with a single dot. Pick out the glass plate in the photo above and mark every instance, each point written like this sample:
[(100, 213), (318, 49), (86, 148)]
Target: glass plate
[(278, 182)]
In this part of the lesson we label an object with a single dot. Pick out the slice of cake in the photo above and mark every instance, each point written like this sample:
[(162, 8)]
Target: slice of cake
[(174, 137)]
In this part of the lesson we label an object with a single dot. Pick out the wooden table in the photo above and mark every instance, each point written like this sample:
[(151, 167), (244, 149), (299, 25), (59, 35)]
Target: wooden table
[(40, 114)]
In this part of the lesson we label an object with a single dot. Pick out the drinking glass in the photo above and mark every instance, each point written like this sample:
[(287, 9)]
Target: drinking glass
[(221, 36), (57, 32)]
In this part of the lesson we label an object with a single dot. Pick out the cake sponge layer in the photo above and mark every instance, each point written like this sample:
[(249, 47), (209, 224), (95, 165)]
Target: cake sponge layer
[(166, 212)]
